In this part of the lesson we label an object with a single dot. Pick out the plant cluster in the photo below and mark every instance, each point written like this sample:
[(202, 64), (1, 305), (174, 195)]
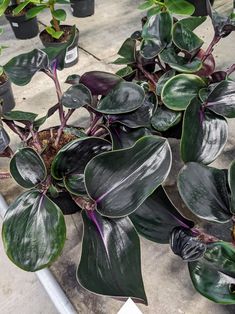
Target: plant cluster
[(115, 169)]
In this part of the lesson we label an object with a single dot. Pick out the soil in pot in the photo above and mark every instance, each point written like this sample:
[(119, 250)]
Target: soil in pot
[(82, 8), (6, 94), (71, 57), (23, 28)]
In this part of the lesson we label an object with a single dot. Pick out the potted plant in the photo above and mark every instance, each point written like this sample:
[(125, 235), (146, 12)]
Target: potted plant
[(82, 8), (55, 34), (22, 27), (114, 170), (6, 95)]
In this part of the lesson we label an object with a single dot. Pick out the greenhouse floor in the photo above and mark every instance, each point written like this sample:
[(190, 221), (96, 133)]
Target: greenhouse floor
[(166, 277)]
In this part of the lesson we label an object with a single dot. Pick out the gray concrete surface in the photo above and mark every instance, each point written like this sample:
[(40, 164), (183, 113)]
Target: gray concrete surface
[(166, 279)]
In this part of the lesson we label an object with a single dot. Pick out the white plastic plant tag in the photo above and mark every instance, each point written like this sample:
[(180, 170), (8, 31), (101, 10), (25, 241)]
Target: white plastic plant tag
[(71, 55), (15, 24), (129, 308)]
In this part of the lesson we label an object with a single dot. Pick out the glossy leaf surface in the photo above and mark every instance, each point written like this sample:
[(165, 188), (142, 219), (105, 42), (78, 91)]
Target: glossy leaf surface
[(127, 51), (76, 96), (204, 134), (157, 216), (136, 173), (73, 157), (100, 83), (163, 79), (181, 7), (180, 90), (27, 168), (222, 99), (165, 118), (125, 97), (22, 68), (110, 261), (73, 79), (74, 183), (17, 115), (33, 231), (214, 275), (4, 139), (156, 34), (204, 191), (186, 246)]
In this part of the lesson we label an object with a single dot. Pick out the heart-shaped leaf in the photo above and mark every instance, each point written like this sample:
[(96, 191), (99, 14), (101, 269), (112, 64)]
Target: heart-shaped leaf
[(124, 137), (138, 118), (100, 83), (22, 68), (185, 39), (165, 118), (125, 97), (33, 231), (231, 176), (156, 34), (185, 245), (73, 157), (204, 191), (76, 96), (179, 63), (109, 247), (214, 275), (27, 168), (4, 139), (222, 99), (137, 172), (181, 7), (206, 130), (157, 216), (180, 90)]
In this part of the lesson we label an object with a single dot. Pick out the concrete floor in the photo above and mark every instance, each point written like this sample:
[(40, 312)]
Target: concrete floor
[(166, 279)]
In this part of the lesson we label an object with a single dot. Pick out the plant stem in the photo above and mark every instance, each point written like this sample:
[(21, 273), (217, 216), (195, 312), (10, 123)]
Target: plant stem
[(63, 124), (93, 124), (158, 61), (146, 74), (15, 128), (231, 69), (210, 48), (54, 20), (204, 237), (36, 141)]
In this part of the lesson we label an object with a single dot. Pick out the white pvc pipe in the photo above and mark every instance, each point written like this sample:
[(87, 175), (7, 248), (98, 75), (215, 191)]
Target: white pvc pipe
[(48, 281)]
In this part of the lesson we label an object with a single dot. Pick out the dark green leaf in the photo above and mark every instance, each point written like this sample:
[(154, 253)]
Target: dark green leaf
[(165, 118), (206, 130), (73, 157), (127, 50), (232, 185), (185, 39), (214, 275), (163, 79), (125, 97), (123, 137), (74, 183), (22, 68), (146, 5), (125, 71), (100, 83), (136, 173), (33, 231), (27, 168), (180, 90), (192, 22), (59, 14), (32, 12), (20, 7), (4, 139), (156, 34), (157, 216), (222, 99), (153, 11), (17, 115), (73, 79), (76, 96), (185, 245), (179, 63), (109, 248), (181, 7), (204, 191)]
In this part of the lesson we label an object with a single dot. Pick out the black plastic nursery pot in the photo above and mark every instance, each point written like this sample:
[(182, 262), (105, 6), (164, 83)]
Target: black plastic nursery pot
[(6, 96), (71, 57), (23, 28), (201, 6), (82, 8)]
